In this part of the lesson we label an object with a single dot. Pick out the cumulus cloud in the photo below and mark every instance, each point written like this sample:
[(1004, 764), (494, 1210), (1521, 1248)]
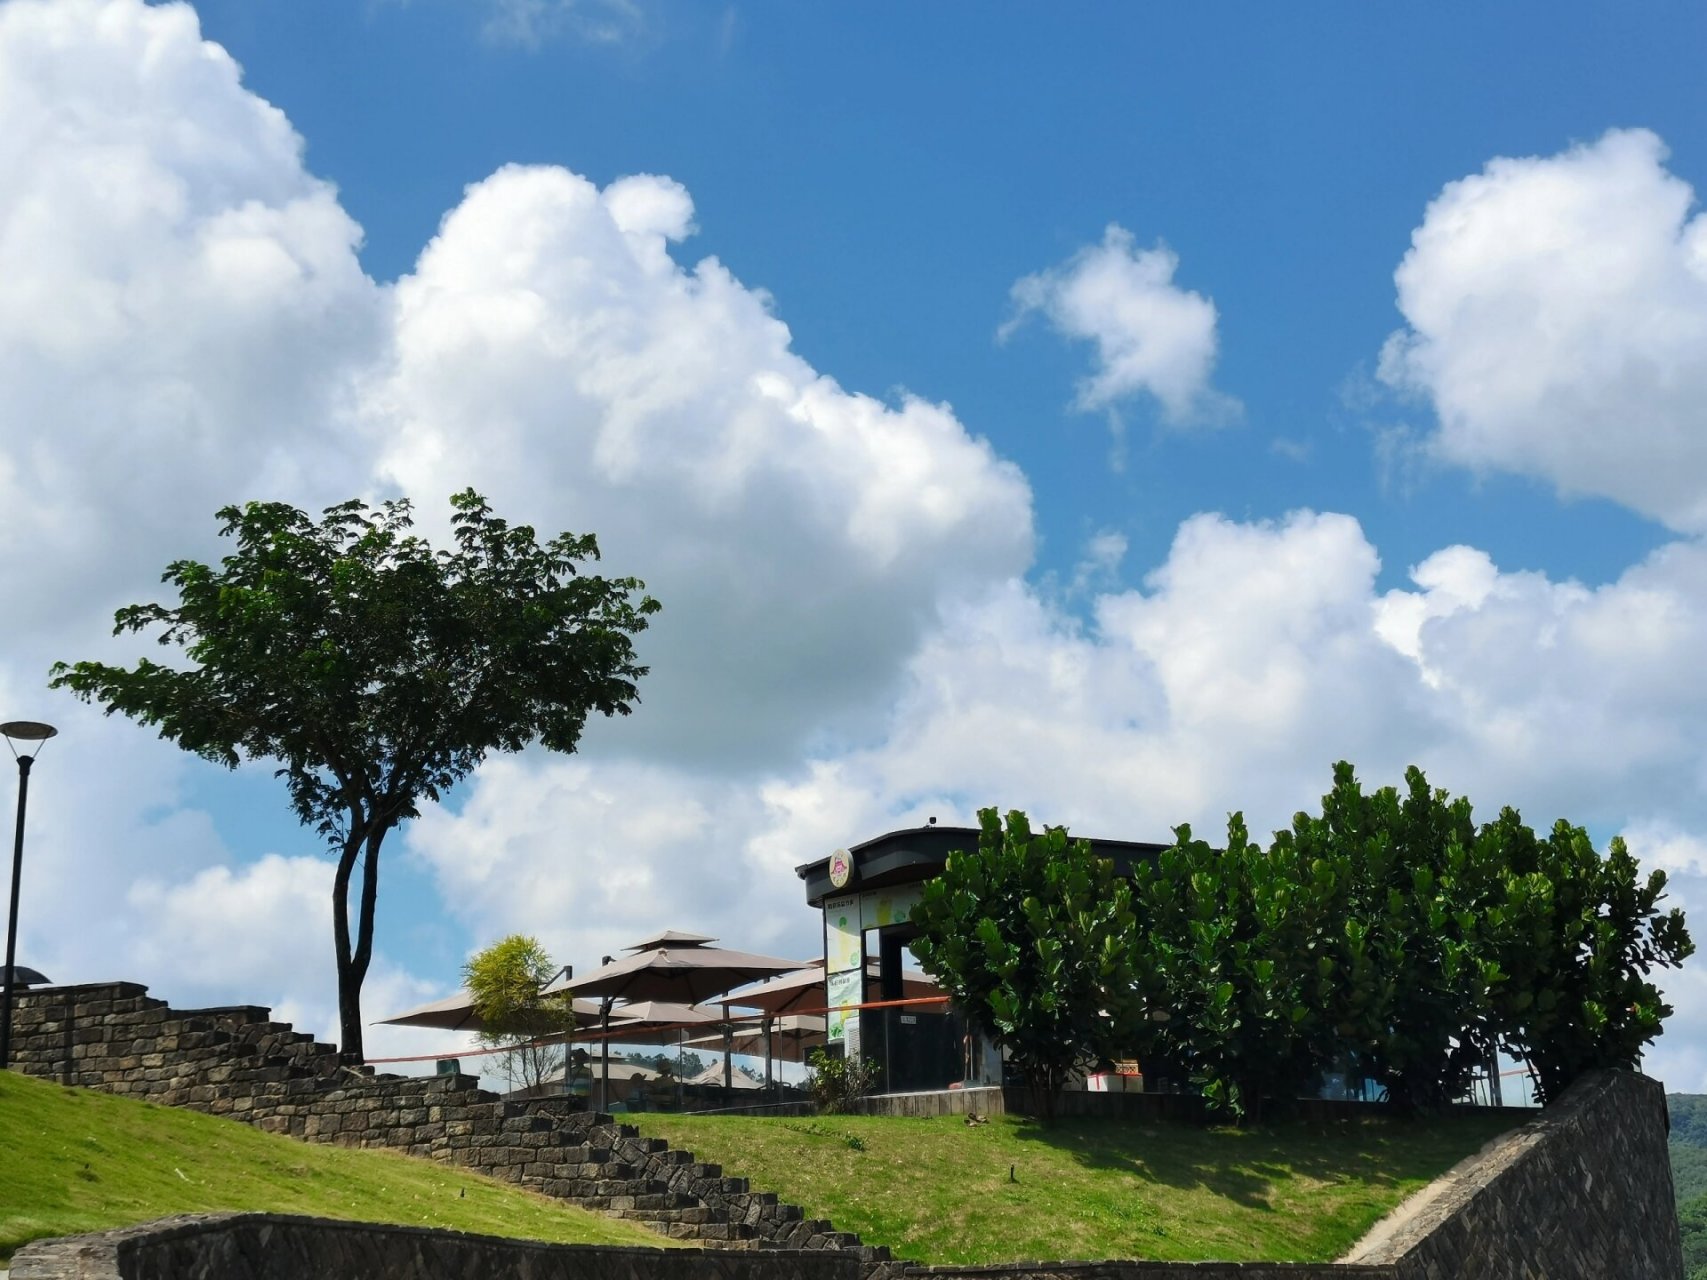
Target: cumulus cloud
[(182, 313), (550, 351), (1556, 311), (1151, 336)]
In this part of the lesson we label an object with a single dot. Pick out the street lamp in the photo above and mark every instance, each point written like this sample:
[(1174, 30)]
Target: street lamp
[(27, 732)]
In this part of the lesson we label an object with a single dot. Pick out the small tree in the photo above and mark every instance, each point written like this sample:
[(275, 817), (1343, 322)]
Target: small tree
[(1029, 934), (376, 671), (506, 980)]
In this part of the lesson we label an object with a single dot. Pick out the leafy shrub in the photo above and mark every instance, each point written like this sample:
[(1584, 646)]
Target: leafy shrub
[(837, 1083)]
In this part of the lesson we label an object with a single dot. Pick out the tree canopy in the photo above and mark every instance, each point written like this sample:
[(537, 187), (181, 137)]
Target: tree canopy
[(376, 671), (506, 981), (1390, 936), (1029, 933)]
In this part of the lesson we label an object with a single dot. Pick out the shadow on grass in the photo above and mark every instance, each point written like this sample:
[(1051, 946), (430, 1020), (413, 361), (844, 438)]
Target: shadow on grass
[(1246, 1165)]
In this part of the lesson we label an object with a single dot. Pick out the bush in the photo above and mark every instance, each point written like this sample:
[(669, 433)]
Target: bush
[(836, 1083)]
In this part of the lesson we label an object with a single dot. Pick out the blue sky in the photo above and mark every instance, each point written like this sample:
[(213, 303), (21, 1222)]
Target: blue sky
[(1131, 367), (888, 173)]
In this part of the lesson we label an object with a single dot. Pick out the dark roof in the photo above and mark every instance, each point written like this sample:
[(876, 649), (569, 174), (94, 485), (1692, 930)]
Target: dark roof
[(919, 853)]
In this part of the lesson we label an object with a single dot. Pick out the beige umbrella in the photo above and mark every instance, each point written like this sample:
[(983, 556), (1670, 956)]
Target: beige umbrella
[(714, 1077), (681, 967), (804, 989), (792, 1035), (456, 1013)]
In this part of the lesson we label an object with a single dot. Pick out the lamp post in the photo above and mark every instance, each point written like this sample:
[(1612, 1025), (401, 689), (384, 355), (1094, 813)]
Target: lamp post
[(16, 731)]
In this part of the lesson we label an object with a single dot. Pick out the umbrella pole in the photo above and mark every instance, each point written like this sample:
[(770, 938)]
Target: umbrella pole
[(604, 1055), (728, 1058), (681, 1060), (768, 1057)]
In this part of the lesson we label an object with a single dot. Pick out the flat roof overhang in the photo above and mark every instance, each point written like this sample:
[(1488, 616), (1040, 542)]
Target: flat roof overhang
[(917, 854)]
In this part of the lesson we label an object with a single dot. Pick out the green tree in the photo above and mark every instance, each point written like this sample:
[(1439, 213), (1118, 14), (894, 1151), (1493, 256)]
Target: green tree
[(1409, 957), (375, 670), (1580, 934), (506, 981), (1029, 933), (1224, 962)]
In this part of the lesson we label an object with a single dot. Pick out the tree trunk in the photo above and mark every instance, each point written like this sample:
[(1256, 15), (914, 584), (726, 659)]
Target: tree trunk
[(353, 960)]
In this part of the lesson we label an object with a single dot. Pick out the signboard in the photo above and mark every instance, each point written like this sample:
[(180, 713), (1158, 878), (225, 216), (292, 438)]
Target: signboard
[(841, 869), (844, 940), (880, 908), (843, 988)]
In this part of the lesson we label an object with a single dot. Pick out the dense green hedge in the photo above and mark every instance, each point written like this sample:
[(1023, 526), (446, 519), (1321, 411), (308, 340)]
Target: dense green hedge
[(1389, 930)]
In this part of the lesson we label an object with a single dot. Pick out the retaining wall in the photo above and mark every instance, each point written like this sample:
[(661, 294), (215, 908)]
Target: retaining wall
[(259, 1246)]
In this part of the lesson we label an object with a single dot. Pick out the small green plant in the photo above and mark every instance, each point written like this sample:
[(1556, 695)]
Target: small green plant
[(837, 1083)]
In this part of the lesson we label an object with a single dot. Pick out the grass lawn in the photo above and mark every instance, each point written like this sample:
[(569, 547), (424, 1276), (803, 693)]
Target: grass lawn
[(941, 1191), (72, 1161)]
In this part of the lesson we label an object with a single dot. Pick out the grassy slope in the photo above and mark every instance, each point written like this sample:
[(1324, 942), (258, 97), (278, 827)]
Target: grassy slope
[(74, 1161), (940, 1191)]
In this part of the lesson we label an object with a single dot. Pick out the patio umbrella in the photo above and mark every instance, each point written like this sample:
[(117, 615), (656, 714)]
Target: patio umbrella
[(636, 1020), (26, 976), (804, 989), (792, 1035), (456, 1013), (679, 967), (711, 1076)]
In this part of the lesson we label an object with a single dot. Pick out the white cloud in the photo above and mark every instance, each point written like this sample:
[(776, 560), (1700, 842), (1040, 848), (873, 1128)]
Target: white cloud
[(182, 311), (1557, 311), (1151, 336), (531, 23), (550, 352)]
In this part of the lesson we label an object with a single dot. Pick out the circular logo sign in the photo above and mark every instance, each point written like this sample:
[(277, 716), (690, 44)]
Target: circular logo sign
[(841, 869)]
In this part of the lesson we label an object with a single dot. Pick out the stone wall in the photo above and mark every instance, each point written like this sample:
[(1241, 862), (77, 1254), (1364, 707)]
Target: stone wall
[(236, 1062), (257, 1246), (1583, 1190)]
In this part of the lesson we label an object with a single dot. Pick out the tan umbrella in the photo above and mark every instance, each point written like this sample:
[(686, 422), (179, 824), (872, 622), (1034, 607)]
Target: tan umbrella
[(636, 1021), (456, 1013), (680, 967), (804, 989), (713, 1077), (792, 1036)]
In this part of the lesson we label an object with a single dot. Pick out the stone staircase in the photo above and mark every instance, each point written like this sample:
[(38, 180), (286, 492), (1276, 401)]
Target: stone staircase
[(237, 1062)]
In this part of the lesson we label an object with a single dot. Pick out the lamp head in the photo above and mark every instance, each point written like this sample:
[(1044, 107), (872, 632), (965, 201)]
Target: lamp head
[(27, 731)]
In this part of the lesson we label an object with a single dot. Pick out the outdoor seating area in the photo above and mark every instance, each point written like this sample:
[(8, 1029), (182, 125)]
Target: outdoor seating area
[(678, 993)]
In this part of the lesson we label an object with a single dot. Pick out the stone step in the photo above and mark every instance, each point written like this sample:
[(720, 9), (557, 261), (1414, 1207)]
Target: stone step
[(698, 1213), (708, 1232), (652, 1201)]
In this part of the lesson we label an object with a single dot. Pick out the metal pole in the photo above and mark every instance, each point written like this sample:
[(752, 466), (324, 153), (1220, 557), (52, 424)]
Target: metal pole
[(24, 763)]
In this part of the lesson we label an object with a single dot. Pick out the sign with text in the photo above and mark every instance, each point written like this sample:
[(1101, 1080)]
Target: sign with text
[(842, 989), (844, 940)]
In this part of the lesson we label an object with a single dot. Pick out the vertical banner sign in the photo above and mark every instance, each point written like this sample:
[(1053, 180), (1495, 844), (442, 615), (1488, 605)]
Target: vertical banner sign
[(844, 939), (843, 1028)]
